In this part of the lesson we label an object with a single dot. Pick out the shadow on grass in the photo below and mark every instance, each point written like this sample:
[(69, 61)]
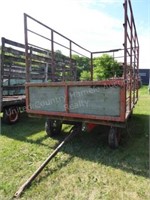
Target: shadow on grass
[(132, 155), (24, 128)]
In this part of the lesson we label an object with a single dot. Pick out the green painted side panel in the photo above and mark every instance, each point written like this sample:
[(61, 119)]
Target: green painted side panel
[(47, 98), (99, 101)]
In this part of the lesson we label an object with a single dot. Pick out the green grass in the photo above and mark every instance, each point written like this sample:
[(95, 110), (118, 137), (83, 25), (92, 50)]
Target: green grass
[(85, 169)]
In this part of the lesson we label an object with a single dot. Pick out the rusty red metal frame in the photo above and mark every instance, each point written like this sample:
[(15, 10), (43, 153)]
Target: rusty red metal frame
[(131, 51), (67, 114), (128, 85)]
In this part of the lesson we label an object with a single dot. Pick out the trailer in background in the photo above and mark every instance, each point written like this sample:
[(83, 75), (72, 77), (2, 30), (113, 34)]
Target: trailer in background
[(13, 77), (145, 76)]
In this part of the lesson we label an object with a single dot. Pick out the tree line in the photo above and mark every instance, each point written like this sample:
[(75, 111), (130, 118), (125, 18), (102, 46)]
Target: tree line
[(104, 67)]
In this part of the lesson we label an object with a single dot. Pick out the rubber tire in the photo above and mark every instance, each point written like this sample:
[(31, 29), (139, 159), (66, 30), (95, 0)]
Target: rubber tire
[(10, 115), (114, 138), (53, 127)]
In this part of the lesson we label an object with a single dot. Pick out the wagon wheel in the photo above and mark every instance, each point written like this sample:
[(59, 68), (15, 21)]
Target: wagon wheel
[(114, 137), (53, 127), (10, 115)]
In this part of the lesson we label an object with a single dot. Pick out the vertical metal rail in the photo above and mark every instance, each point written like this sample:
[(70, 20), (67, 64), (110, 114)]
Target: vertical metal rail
[(91, 66), (125, 53), (1, 73), (137, 68), (70, 55), (134, 70), (67, 98), (131, 57), (30, 51), (9, 77), (52, 50), (135, 52), (2, 67), (131, 67), (26, 49), (46, 69)]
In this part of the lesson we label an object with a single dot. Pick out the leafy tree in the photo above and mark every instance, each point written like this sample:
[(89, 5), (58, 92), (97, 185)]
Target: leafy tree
[(105, 67), (58, 55), (82, 64), (85, 75)]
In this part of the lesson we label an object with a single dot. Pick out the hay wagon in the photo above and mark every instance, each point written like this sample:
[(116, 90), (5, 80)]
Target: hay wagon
[(62, 98), (13, 78)]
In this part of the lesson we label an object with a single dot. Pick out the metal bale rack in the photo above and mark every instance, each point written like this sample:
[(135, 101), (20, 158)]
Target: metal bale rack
[(61, 98)]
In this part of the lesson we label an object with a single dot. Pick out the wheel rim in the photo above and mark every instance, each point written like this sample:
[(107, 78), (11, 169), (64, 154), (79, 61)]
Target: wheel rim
[(55, 125), (13, 115)]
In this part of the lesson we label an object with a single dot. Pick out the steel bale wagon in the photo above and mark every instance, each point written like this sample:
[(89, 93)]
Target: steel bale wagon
[(63, 99)]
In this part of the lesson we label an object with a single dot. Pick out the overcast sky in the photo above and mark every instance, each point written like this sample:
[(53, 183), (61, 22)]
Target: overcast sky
[(94, 24)]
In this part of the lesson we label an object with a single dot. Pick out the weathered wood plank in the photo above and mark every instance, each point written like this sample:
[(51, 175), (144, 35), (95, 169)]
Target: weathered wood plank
[(8, 59), (41, 58), (16, 74), (13, 87), (47, 53), (15, 52), (16, 68), (13, 43), (15, 65), (12, 77)]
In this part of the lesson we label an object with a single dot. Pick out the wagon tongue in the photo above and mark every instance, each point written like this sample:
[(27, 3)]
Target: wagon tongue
[(74, 131)]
